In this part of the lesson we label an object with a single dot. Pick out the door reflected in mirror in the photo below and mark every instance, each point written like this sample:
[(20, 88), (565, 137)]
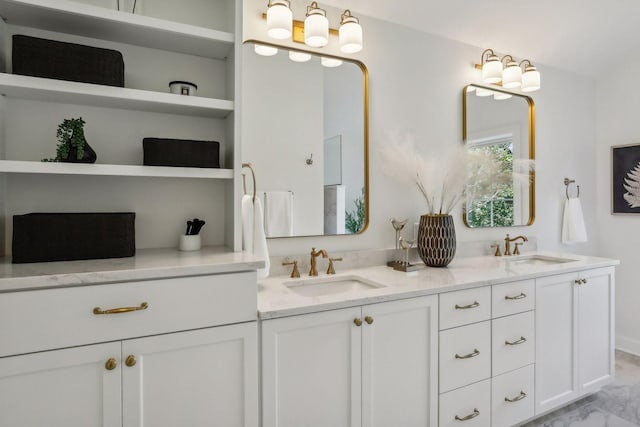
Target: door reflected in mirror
[(304, 129), (501, 124)]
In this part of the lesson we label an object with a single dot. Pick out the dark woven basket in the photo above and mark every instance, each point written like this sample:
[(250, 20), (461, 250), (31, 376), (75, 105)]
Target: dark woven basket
[(52, 59), (42, 237), (181, 152)]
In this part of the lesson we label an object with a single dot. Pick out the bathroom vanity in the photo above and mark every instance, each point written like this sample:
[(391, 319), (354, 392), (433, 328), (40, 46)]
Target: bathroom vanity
[(489, 341), (162, 339)]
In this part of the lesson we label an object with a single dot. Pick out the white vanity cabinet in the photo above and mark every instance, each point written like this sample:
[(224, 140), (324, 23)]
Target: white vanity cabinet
[(574, 335), (165, 352), (373, 366)]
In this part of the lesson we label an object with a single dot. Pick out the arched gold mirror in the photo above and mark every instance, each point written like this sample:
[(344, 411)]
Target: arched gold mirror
[(502, 123), (305, 131)]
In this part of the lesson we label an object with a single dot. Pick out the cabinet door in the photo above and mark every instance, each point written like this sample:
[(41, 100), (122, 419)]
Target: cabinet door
[(556, 341), (60, 388), (311, 370), (207, 377), (595, 329), (400, 363)]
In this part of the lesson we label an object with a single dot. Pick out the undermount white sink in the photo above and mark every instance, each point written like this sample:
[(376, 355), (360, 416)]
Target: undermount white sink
[(536, 260), (319, 286)]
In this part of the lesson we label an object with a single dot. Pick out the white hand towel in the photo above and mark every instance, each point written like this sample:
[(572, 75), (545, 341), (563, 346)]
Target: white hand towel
[(278, 206), (260, 239), (247, 223), (254, 240), (573, 227)]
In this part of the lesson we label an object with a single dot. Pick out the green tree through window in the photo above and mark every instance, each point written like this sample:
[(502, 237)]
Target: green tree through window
[(497, 209)]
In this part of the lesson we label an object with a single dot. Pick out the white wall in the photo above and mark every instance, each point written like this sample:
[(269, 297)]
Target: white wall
[(618, 106), (416, 83)]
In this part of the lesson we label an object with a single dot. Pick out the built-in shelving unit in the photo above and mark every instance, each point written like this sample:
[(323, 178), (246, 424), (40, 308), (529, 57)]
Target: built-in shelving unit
[(16, 166), (96, 22), (120, 117), (39, 89)]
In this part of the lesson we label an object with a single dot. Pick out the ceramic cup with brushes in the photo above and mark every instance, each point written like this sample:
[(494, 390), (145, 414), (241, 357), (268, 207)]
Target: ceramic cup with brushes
[(190, 241)]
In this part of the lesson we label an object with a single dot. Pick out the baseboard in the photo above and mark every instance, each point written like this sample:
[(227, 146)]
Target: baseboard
[(628, 345)]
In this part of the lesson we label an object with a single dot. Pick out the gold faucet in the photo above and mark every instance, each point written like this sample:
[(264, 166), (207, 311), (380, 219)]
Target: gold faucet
[(314, 255), (507, 244)]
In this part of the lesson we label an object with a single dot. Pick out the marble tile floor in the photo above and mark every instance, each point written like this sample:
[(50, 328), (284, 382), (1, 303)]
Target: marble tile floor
[(616, 405)]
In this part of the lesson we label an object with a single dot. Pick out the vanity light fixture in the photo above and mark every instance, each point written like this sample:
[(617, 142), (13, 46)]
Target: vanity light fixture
[(314, 31), (330, 62), (514, 75), (491, 67), (299, 56), (264, 50), (350, 33), (530, 77), (279, 19), (316, 26)]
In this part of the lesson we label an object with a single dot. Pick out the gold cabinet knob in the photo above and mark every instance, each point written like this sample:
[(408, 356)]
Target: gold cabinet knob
[(130, 360), (357, 321), (369, 320), (111, 364)]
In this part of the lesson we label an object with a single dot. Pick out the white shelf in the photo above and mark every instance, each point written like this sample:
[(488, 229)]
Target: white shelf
[(96, 22), (54, 168), (40, 89)]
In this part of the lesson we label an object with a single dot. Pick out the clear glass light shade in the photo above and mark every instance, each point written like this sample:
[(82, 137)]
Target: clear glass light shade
[(350, 37), (263, 50), (299, 56), (530, 80), (316, 30), (483, 92), (330, 62), (501, 95), (279, 21), (512, 76), (492, 71)]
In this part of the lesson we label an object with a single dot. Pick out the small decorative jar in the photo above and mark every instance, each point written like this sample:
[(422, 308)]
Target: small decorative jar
[(436, 239)]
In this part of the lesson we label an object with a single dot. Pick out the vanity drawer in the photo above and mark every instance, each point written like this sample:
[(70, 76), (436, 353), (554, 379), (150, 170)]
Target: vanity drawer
[(513, 342), (471, 405), (55, 318), (512, 298), (463, 307), (513, 397), (465, 355)]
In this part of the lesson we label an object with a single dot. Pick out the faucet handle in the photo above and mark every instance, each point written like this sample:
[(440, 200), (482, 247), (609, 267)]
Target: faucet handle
[(516, 251), (497, 246), (295, 273), (331, 270)]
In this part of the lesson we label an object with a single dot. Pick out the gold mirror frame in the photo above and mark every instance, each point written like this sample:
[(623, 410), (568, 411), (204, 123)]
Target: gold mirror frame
[(531, 114), (365, 87)]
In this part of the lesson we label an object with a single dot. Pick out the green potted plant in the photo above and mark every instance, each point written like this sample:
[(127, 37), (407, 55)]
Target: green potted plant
[(72, 144)]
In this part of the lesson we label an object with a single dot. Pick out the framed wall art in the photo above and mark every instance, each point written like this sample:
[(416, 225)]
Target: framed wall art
[(625, 169)]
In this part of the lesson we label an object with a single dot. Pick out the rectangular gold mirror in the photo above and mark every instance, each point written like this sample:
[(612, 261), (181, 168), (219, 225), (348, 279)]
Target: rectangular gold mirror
[(502, 123), (305, 131)]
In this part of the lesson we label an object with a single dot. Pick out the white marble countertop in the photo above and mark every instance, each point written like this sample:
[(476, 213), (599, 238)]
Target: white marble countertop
[(147, 264), (275, 299)]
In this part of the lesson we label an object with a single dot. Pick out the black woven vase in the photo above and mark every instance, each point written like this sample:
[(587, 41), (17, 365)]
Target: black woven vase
[(436, 240)]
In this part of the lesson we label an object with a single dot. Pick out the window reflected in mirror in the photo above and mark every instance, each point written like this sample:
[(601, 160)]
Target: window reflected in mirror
[(501, 124)]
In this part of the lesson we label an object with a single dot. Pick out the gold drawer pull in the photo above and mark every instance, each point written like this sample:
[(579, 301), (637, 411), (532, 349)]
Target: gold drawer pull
[(522, 295), (368, 319), (475, 353), (111, 364), (521, 396), (470, 416), (357, 321), (465, 307), (522, 340), (142, 306)]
